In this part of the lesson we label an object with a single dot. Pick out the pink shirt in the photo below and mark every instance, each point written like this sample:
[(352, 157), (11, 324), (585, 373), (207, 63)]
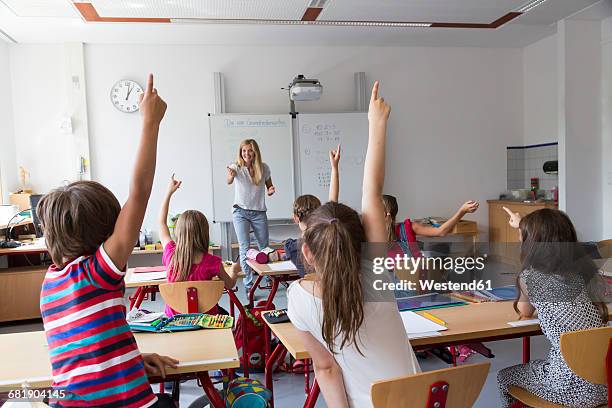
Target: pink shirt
[(205, 270)]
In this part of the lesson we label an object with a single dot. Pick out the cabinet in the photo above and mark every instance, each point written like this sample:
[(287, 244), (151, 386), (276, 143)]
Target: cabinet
[(20, 292), (505, 240)]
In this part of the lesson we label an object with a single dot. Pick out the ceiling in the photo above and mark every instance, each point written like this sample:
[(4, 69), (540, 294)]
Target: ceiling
[(481, 23)]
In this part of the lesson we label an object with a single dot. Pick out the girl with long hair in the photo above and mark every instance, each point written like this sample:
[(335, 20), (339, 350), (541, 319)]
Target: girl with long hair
[(187, 258), (352, 340), (560, 284)]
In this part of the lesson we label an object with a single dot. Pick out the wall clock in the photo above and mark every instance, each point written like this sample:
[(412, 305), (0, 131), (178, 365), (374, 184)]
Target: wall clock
[(125, 95)]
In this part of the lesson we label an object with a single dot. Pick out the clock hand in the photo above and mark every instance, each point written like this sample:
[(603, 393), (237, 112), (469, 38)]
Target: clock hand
[(129, 92)]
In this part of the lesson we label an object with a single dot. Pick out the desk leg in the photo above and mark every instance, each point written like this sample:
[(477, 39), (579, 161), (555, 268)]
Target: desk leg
[(253, 289), (313, 395), (275, 283), (278, 351), (138, 297), (526, 349), (210, 390), (307, 376), (267, 341)]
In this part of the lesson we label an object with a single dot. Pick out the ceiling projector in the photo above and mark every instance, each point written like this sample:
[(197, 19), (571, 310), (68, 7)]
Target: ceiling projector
[(303, 89)]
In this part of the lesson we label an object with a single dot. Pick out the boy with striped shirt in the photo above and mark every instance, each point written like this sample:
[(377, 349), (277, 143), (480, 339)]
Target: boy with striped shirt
[(94, 356)]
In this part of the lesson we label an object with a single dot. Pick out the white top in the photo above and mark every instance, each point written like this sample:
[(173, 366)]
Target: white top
[(383, 342), (247, 195)]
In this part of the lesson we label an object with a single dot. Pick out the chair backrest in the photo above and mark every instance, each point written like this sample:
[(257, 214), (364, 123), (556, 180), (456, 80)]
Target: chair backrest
[(464, 385), (585, 352), (176, 294), (605, 248)]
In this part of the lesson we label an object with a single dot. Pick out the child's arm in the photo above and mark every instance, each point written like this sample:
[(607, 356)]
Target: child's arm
[(334, 186), (327, 371), (515, 218), (120, 244), (229, 278), (164, 232), (373, 212), (446, 227), (523, 306)]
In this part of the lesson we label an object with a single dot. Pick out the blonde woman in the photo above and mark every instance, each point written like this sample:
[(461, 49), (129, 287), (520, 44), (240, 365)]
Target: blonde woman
[(252, 181), (187, 258)]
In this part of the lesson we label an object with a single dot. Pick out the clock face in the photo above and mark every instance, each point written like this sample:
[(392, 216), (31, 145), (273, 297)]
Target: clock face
[(125, 95)]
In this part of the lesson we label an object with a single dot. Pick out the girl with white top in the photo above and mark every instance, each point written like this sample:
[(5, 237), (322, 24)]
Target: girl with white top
[(352, 341), (253, 181)]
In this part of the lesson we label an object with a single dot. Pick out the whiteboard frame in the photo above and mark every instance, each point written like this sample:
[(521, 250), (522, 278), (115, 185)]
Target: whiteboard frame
[(292, 158)]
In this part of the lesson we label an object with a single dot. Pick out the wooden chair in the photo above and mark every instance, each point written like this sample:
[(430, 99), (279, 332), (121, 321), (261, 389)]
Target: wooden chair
[(456, 387), (605, 248), (586, 353), (192, 296)]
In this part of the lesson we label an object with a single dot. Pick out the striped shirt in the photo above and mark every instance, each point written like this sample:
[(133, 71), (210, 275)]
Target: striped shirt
[(94, 356)]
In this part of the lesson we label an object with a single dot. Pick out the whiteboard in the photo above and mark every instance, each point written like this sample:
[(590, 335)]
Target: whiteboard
[(318, 133), (274, 136)]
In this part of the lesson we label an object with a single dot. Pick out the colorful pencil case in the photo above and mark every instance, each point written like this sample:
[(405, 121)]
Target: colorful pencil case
[(183, 322)]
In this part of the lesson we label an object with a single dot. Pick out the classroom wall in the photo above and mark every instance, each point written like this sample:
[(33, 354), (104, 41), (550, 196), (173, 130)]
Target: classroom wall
[(580, 138), (540, 92), (448, 128), (39, 103), (454, 112), (606, 131), (8, 166)]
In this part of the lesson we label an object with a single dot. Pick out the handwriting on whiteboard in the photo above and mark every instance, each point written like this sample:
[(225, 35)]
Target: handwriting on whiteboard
[(250, 122)]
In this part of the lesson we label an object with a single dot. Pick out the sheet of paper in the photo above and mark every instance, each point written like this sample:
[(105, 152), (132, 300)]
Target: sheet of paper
[(421, 335), (518, 323), (146, 269), (282, 266), (416, 324), (145, 277)]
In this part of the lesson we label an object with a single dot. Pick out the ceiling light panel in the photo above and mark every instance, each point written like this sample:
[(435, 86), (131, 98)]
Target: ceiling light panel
[(456, 11), (41, 8), (224, 9)]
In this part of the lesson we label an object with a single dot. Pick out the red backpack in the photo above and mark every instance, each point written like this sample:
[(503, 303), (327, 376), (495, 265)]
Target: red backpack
[(255, 340)]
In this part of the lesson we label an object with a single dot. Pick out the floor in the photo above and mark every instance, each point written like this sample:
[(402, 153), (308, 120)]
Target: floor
[(289, 388)]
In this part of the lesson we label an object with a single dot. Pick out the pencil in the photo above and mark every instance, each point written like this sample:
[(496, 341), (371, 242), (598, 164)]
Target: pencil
[(434, 318)]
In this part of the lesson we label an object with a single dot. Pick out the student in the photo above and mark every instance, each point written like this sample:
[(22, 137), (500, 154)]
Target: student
[(304, 205), (188, 258), (352, 342), (396, 232), (557, 283), (253, 181), (94, 356)]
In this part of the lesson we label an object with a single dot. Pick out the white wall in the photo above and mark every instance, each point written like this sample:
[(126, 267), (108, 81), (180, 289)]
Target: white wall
[(540, 92), (448, 131), (39, 102), (606, 151), (580, 140), (454, 112), (8, 166)]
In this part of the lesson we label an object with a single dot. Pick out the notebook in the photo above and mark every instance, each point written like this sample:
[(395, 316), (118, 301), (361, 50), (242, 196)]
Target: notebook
[(427, 301), (418, 326)]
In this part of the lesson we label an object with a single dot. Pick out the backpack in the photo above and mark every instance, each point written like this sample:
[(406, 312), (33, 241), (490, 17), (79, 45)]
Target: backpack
[(256, 343), (247, 393)]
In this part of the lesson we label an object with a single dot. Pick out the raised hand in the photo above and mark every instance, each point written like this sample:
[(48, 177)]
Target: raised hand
[(379, 111), (152, 106), (173, 185), (469, 206), (515, 218), (334, 157)]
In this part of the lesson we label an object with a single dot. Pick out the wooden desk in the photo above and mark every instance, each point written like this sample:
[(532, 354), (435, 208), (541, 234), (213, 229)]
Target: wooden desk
[(285, 275), (28, 359), (470, 323)]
